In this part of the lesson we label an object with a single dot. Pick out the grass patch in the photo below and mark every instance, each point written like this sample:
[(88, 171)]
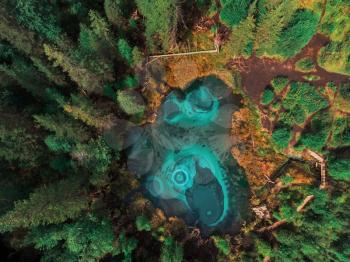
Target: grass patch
[(311, 77)]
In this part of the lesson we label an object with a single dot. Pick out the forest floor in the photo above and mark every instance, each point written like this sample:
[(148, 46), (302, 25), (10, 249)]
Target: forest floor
[(253, 151), (257, 72)]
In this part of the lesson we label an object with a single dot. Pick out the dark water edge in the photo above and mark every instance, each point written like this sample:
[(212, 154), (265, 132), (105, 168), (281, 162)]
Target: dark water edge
[(8, 254), (185, 164)]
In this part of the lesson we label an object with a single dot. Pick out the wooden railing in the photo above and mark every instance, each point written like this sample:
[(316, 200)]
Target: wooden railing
[(321, 161)]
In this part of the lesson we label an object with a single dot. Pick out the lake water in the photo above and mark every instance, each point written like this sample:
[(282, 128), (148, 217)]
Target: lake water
[(184, 159)]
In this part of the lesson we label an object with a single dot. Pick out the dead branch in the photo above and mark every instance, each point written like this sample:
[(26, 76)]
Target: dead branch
[(301, 207), (266, 259), (273, 226), (320, 160), (262, 212), (284, 221)]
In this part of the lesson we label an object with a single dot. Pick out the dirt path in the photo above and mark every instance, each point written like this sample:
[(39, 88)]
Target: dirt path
[(258, 72)]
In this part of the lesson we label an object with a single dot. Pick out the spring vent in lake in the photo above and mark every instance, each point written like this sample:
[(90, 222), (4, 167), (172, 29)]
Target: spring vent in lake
[(184, 158)]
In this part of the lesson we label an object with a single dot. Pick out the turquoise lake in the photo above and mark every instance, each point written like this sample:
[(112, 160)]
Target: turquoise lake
[(184, 159)]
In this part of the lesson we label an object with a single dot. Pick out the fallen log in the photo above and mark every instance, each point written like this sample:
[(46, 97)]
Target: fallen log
[(279, 223), (273, 226), (305, 202)]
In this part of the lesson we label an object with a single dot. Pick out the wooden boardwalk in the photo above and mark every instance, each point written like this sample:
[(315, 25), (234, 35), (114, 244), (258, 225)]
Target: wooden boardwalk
[(186, 53), (320, 160), (210, 51)]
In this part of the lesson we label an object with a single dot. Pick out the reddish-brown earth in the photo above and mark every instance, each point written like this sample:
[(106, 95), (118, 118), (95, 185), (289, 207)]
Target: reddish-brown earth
[(257, 72)]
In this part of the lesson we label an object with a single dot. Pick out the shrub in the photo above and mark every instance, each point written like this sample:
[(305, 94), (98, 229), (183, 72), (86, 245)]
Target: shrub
[(127, 82), (281, 137), (127, 246), (306, 96), (335, 57), (316, 135), (294, 116), (222, 244), (279, 83), (305, 65), (171, 251), (311, 77), (267, 96), (129, 102), (340, 132), (344, 91), (125, 51), (286, 180), (276, 106), (339, 168), (143, 224)]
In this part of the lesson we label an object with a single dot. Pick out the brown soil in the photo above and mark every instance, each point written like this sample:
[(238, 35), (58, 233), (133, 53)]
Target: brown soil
[(257, 72), (251, 149)]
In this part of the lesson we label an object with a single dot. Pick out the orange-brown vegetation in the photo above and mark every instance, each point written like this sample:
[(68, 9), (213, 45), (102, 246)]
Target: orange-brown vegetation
[(252, 151), (164, 74)]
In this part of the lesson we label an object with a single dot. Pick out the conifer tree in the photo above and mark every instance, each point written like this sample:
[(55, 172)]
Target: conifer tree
[(95, 157), (115, 11), (90, 238), (85, 79), (160, 10), (49, 204)]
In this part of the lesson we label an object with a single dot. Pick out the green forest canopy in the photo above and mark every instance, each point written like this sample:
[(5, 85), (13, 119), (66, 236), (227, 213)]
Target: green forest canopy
[(68, 69)]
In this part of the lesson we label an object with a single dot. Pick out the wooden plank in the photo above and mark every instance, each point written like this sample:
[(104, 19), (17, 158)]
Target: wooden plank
[(322, 163), (186, 53), (305, 202)]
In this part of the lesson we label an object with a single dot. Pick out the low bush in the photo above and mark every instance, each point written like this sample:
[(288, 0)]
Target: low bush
[(311, 77), (339, 168), (340, 132), (306, 96), (335, 57), (305, 65), (316, 134), (130, 103), (344, 91), (292, 117), (281, 137), (279, 83), (267, 96)]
